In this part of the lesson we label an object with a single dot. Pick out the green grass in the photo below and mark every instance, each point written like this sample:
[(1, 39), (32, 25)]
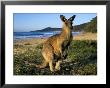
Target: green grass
[(81, 60)]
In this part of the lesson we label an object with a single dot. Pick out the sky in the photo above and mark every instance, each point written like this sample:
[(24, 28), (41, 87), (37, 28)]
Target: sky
[(25, 22)]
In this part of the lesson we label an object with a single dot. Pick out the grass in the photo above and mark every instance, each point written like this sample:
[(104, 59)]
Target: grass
[(81, 59)]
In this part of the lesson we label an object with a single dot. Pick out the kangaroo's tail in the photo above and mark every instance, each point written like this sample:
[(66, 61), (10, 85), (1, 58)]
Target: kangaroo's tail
[(43, 65)]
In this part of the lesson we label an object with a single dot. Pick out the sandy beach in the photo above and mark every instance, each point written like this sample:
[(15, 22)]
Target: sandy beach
[(86, 36), (37, 41)]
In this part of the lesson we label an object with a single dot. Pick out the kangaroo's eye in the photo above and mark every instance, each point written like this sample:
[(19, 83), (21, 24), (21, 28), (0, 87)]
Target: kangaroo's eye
[(64, 19)]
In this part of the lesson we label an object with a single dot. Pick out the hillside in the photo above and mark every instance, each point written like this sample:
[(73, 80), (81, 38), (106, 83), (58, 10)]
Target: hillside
[(48, 29), (86, 27)]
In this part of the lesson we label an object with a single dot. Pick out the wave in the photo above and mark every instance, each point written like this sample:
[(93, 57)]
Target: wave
[(29, 35)]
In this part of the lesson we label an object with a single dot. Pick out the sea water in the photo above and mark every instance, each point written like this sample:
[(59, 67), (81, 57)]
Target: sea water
[(29, 35)]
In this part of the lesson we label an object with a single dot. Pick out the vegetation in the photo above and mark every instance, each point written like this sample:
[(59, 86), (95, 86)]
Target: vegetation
[(92, 26), (81, 59), (87, 27)]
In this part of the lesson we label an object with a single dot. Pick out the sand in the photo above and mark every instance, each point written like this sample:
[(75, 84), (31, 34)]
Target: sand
[(37, 41), (86, 36)]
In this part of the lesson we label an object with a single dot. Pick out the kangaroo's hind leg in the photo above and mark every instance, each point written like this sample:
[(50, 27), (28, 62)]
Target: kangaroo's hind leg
[(48, 55), (51, 66), (57, 67)]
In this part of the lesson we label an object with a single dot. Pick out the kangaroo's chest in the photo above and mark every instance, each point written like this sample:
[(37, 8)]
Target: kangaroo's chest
[(60, 42), (67, 40)]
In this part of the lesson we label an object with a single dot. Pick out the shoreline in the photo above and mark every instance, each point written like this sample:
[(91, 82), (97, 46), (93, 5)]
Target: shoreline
[(36, 41)]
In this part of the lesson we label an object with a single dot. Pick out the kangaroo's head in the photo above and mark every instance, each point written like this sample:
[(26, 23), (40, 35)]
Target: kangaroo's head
[(67, 22)]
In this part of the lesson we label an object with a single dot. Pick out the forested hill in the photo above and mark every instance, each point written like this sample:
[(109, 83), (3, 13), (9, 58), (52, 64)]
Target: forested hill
[(48, 29), (86, 27)]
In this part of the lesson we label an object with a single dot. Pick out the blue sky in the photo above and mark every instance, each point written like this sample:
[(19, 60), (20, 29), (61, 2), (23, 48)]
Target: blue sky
[(25, 22)]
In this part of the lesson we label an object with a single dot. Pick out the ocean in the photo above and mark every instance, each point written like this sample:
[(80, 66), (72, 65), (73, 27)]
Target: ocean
[(29, 35)]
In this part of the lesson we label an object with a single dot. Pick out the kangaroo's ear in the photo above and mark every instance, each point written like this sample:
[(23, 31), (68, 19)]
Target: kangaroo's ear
[(62, 18), (72, 18)]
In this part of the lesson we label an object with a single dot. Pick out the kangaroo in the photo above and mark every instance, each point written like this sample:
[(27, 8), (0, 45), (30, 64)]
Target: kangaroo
[(54, 48), (57, 44)]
